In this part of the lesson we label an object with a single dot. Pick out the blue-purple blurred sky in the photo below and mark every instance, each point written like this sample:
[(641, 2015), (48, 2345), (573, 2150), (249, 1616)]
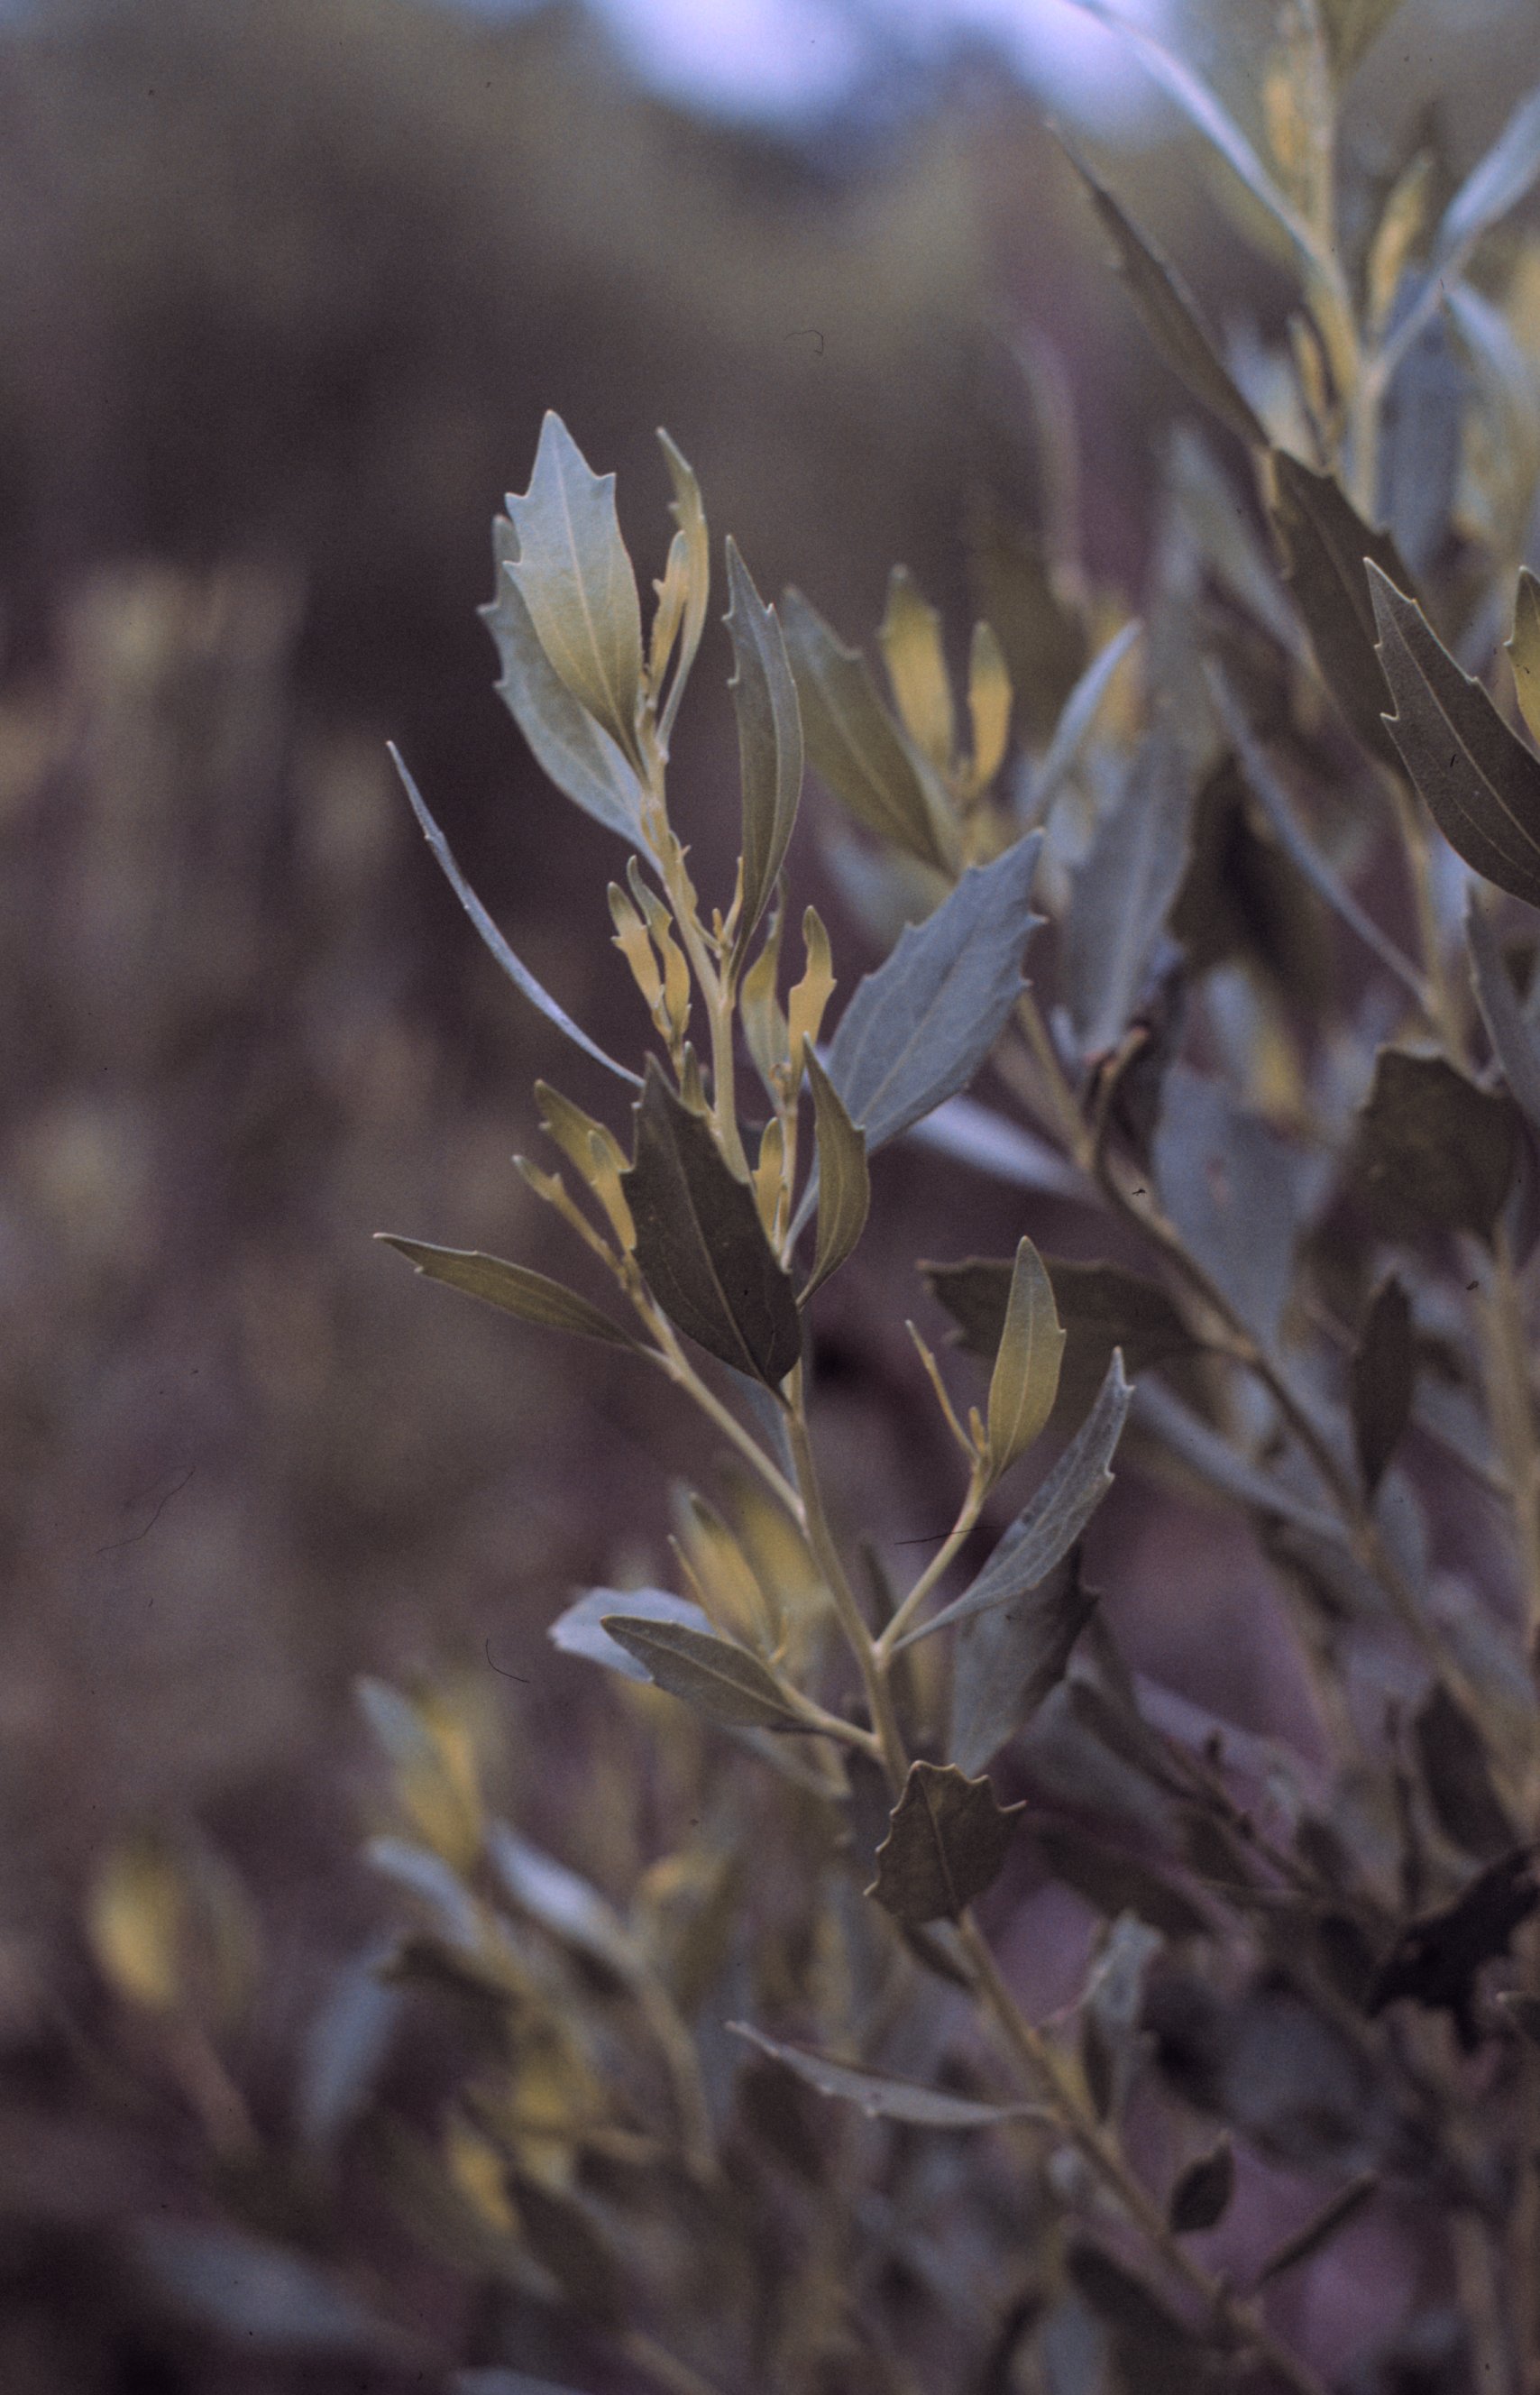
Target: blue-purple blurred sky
[(784, 60)]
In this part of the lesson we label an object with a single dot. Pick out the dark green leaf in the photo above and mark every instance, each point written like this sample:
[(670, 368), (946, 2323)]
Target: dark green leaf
[(1171, 317), (1008, 1661), (947, 1841), (1115, 1882), (1481, 784), (1043, 1532), (576, 579), (520, 974), (918, 1028), (854, 745), (880, 2098), (565, 2239), (1436, 1152), (1436, 1957), (1201, 2197), (769, 740), (1322, 877), (1319, 2228), (1382, 1378), (516, 1288), (579, 1631), (1156, 2352), (1326, 546), (1125, 891), (844, 1183), (1025, 1379), (726, 1682), (1351, 27), (701, 1244), (578, 754), (1458, 1778), (1101, 1306), (1514, 1042), (1230, 1185)]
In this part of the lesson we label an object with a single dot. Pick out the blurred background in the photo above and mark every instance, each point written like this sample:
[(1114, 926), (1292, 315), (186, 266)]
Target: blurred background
[(286, 290)]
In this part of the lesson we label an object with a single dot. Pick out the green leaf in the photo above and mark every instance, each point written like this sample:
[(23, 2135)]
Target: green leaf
[(575, 579), (515, 1288), (1076, 721), (699, 1242), (918, 1028), (578, 754), (1203, 111), (1025, 1380), (1009, 1659), (1352, 26), (881, 2097), (1457, 1776), (726, 1682), (947, 1841), (1481, 786), (1381, 1380), (688, 513), (1230, 1185), (580, 1630), (1111, 2046), (910, 638), (853, 744), (989, 705), (1327, 548), (1101, 1306), (1201, 2197), (1513, 1038), (562, 2233), (1523, 649), (520, 974), (844, 1183), (1125, 890), (1171, 317), (1435, 1151), (769, 740), (1496, 183), (1049, 1526), (1156, 2352), (1324, 878)]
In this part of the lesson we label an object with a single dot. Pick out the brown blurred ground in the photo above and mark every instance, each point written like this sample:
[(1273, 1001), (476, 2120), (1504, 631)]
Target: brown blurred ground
[(287, 292)]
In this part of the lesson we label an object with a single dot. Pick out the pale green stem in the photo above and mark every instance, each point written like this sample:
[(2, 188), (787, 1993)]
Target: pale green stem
[(671, 1360), (944, 1557), (1045, 2073), (852, 1622)]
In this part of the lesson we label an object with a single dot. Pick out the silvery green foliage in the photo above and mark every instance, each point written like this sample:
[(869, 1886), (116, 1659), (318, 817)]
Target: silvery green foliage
[(1230, 850)]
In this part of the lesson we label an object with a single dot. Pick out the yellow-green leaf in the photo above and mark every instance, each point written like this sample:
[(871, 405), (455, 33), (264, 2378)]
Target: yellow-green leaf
[(576, 579), (1025, 1380), (989, 698), (910, 638), (844, 1184), (689, 515), (516, 1288), (1525, 649)]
